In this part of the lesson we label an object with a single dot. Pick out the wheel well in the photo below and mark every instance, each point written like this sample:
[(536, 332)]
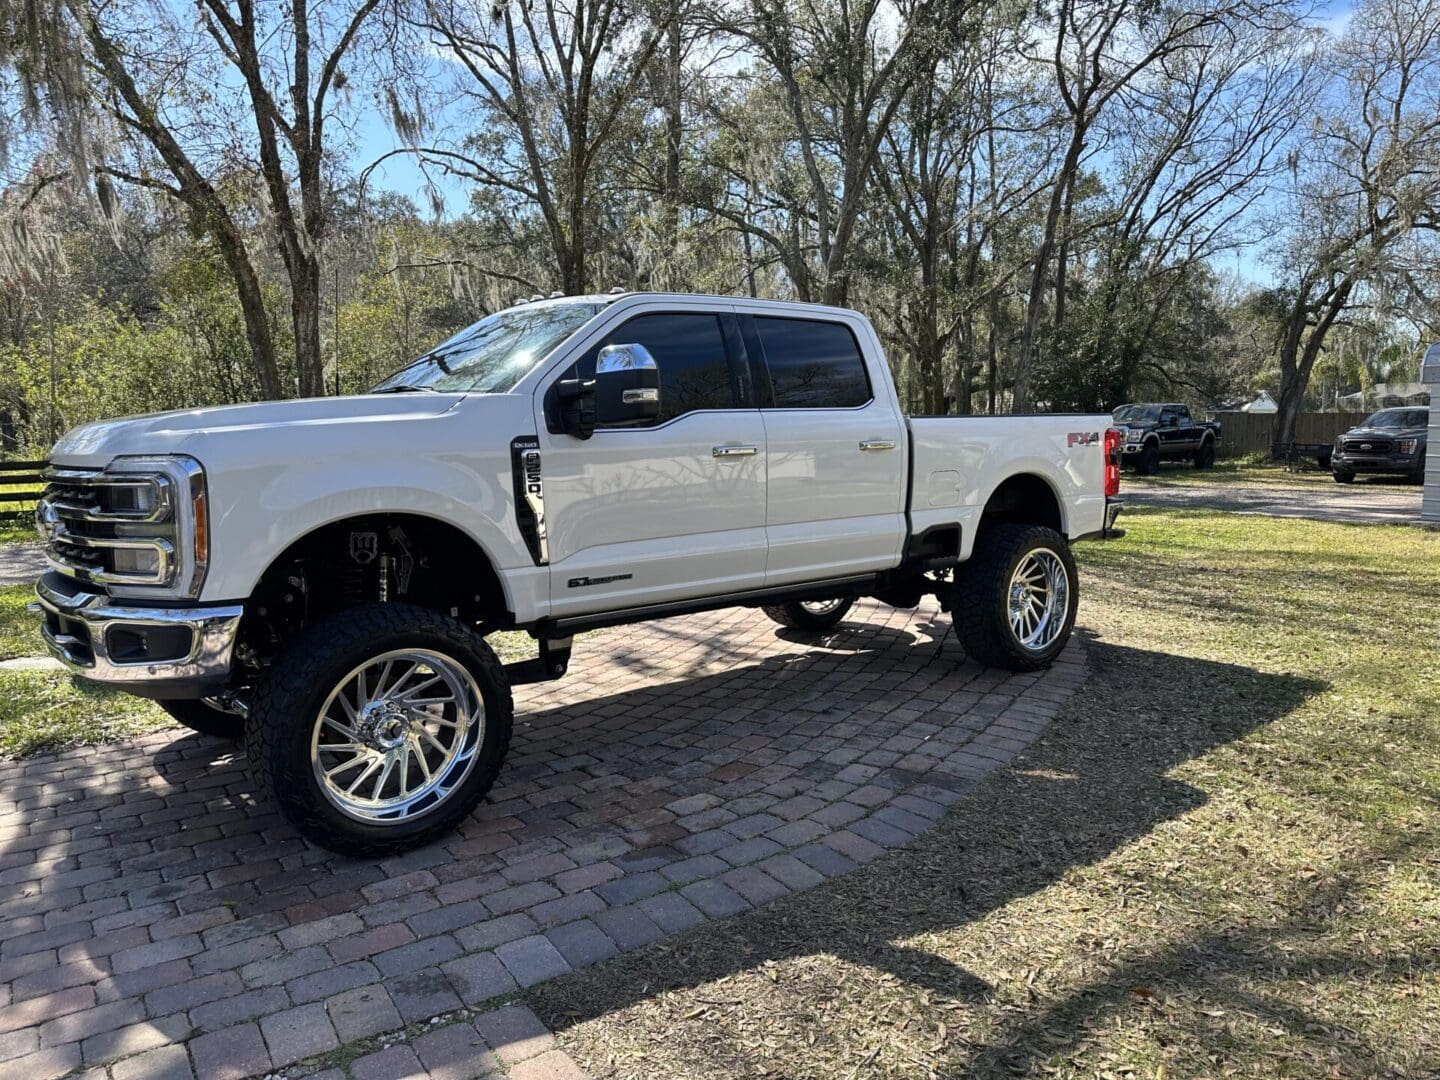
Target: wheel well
[(365, 559), (1024, 499)]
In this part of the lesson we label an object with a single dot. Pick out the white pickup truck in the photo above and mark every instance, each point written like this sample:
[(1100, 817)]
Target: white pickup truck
[(319, 576)]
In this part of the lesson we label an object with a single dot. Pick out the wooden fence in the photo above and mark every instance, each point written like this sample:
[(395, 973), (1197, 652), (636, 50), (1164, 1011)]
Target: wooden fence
[(1253, 433), (20, 485)]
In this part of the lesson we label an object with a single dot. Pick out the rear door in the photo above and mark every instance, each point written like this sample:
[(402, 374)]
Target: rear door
[(835, 452), (669, 511)]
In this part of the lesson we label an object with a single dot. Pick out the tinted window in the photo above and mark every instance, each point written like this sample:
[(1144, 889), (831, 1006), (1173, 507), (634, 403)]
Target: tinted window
[(813, 365), (689, 350)]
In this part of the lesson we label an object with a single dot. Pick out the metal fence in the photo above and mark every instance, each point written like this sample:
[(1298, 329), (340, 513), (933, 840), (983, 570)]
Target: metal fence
[(1254, 433)]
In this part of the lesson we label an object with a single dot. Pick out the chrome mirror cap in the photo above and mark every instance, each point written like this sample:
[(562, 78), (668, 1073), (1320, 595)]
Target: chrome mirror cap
[(624, 358)]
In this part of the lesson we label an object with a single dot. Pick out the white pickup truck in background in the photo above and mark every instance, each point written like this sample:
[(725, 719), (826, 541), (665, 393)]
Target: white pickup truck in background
[(319, 575)]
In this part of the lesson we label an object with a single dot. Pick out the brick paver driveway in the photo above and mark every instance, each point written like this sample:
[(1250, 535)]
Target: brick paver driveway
[(156, 917)]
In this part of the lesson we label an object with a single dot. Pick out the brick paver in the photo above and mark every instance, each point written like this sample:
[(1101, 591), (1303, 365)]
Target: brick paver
[(151, 903)]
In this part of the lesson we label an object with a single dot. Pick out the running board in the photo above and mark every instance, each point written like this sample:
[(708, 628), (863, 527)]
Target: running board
[(815, 590)]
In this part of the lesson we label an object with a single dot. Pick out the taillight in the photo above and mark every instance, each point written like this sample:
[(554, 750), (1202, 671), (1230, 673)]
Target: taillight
[(1114, 440)]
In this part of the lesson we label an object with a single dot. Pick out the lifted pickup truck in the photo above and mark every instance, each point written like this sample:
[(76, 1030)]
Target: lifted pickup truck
[(319, 576), (1155, 433)]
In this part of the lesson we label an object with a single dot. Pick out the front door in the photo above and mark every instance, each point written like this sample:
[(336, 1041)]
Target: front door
[(669, 511)]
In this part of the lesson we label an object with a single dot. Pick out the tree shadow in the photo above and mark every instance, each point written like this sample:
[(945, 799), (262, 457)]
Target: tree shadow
[(1099, 780)]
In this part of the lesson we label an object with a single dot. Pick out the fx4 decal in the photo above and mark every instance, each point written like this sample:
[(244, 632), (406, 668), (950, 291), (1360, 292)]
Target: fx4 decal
[(1083, 438)]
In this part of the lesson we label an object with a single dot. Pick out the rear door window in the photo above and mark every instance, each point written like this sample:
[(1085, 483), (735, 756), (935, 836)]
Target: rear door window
[(813, 364)]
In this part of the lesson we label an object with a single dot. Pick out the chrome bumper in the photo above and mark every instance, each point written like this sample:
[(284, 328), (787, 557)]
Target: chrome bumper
[(155, 652)]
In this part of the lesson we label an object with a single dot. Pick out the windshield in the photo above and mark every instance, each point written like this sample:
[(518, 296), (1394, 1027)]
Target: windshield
[(1141, 413), (495, 353), (1397, 418)]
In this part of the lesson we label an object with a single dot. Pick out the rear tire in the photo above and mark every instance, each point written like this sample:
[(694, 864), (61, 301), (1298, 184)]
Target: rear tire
[(1148, 461), (810, 616), (345, 691), (206, 719), (996, 601), (1343, 477), (1205, 456)]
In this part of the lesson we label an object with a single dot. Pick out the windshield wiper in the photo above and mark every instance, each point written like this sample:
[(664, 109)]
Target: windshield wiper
[(406, 388)]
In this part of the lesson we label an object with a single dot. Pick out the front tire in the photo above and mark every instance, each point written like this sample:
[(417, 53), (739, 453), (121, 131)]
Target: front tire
[(1419, 476), (380, 728), (1205, 456), (1015, 599), (1148, 462), (810, 616), (1342, 477), (206, 719)]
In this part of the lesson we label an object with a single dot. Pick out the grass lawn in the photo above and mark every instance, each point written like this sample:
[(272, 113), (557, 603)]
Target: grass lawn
[(17, 528), (1222, 860)]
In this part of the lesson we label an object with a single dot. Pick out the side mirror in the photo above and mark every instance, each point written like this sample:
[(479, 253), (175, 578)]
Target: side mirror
[(627, 386)]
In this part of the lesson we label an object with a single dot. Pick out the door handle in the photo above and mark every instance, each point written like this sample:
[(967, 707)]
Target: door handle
[(877, 444), (734, 451)]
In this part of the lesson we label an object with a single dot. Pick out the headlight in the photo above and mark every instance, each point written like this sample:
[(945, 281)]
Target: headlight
[(1407, 446), (140, 526)]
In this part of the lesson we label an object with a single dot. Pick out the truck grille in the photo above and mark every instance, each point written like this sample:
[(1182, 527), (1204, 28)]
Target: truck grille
[(109, 528), (1368, 446)]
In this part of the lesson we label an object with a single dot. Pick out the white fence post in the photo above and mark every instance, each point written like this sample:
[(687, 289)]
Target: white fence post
[(1430, 376)]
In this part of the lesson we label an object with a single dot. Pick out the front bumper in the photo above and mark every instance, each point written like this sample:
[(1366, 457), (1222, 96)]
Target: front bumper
[(154, 652), (1381, 463)]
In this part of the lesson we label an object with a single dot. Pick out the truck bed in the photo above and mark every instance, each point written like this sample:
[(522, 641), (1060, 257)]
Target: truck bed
[(957, 462)]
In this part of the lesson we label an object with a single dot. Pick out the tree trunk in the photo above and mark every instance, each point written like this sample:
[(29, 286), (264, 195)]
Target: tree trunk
[(1298, 353), (252, 308), (305, 317), (1025, 356), (674, 134)]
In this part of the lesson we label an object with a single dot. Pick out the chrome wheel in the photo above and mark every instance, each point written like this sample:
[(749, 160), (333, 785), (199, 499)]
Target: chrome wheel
[(1039, 599), (398, 735), (821, 608)]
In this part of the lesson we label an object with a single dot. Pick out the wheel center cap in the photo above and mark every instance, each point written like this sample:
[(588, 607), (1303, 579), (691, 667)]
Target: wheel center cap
[(390, 732), (384, 726)]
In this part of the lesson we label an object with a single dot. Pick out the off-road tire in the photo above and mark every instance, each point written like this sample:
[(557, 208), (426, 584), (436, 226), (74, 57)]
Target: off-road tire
[(206, 719), (1205, 456), (795, 617), (284, 708), (1419, 475), (981, 597), (1343, 477), (1147, 462)]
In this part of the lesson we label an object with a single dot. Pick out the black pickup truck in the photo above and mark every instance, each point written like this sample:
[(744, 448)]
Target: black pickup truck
[(1389, 441), (1158, 432)]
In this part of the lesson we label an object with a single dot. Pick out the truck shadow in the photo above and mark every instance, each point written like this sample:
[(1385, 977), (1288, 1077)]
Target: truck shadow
[(1097, 781)]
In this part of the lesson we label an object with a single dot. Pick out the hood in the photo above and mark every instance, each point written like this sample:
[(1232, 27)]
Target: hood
[(1384, 432), (95, 445)]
